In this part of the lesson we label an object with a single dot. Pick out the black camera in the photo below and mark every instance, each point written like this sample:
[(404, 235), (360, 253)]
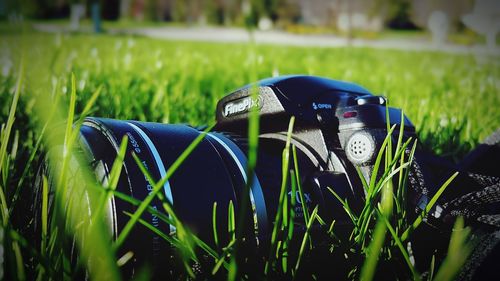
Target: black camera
[(339, 129)]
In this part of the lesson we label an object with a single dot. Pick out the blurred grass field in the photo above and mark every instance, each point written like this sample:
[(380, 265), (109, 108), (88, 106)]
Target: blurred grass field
[(453, 100)]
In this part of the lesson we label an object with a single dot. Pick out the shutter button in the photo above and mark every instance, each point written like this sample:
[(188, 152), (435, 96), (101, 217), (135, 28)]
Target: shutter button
[(371, 100)]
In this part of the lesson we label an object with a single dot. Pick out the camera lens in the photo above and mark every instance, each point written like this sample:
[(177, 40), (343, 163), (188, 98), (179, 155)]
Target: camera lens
[(215, 171)]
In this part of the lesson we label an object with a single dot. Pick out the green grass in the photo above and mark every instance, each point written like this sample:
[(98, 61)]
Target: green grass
[(453, 101)]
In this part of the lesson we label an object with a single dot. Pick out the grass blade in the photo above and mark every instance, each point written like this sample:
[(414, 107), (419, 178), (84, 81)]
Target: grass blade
[(5, 136), (431, 270), (214, 224), (114, 176), (230, 221), (346, 207), (279, 213), (304, 239), (305, 210), (458, 252), (400, 245), (88, 107), (373, 252), (429, 206), (378, 161), (45, 207), (4, 139), (173, 241)]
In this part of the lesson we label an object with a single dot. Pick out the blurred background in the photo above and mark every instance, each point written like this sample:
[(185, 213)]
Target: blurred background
[(441, 22)]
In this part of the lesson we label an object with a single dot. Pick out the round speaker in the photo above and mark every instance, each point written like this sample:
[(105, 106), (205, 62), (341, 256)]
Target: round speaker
[(360, 148)]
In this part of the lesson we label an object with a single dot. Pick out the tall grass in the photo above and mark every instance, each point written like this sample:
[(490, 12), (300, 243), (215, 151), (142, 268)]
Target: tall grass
[(452, 100)]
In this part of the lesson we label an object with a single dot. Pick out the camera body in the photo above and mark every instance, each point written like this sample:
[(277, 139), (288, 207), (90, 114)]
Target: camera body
[(339, 127), (339, 130)]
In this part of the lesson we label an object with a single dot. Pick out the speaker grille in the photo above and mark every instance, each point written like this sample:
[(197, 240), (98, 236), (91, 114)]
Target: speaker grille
[(360, 148)]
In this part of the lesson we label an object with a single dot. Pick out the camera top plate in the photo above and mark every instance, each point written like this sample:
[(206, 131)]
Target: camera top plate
[(297, 95), (314, 101)]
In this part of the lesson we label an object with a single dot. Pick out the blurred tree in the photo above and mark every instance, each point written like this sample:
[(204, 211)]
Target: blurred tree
[(125, 8), (288, 12), (397, 13), (165, 10), (110, 9), (95, 12), (265, 8), (215, 11), (179, 11), (272, 8), (3, 9), (29, 8), (152, 10), (233, 12), (257, 10)]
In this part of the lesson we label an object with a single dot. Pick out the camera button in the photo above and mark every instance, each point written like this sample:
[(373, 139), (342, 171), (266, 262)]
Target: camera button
[(380, 100)]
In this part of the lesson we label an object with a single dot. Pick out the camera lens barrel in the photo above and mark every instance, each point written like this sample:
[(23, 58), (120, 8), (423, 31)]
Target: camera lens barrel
[(213, 172)]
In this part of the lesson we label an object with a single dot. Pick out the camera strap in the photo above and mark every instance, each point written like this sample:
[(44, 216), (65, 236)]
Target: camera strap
[(482, 206)]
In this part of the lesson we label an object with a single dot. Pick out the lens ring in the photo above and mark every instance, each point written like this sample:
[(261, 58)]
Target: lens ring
[(256, 195), (159, 165)]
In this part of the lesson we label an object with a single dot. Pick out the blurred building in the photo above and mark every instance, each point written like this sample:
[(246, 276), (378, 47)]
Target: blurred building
[(343, 14), (340, 14), (454, 9), (375, 15)]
